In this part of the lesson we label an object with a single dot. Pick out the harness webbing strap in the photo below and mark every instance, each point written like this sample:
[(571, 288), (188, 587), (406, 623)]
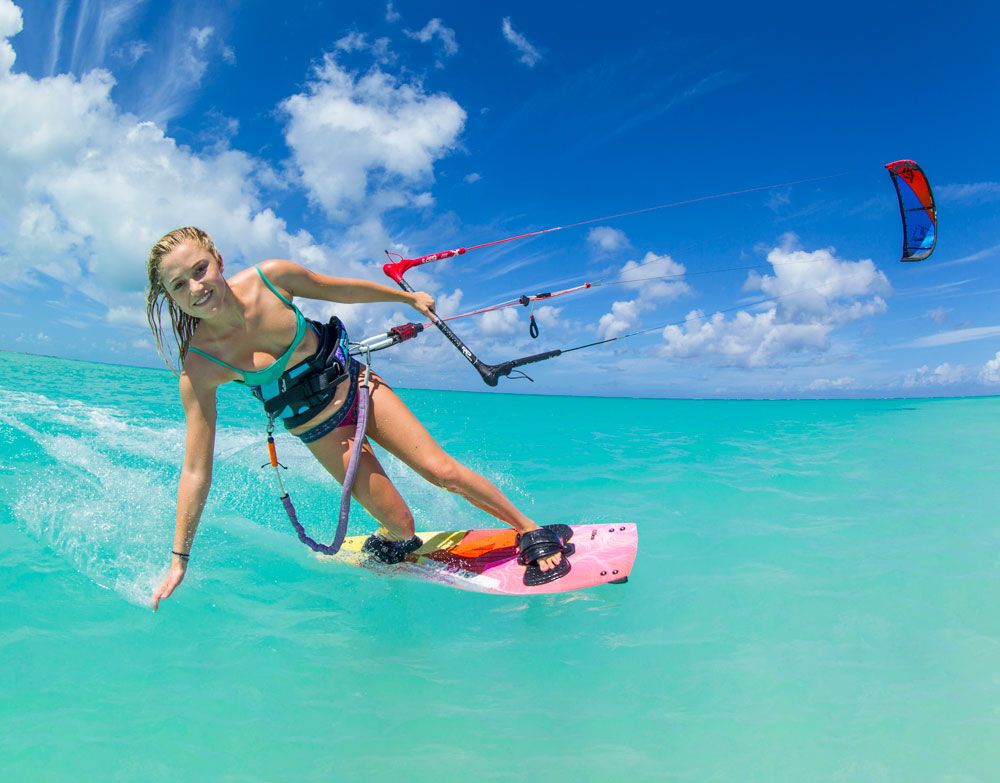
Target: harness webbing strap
[(364, 394)]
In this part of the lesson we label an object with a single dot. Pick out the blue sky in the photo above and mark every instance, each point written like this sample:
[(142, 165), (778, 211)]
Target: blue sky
[(327, 133)]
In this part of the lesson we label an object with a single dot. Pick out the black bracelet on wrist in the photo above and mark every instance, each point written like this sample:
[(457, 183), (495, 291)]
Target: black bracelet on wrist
[(181, 555)]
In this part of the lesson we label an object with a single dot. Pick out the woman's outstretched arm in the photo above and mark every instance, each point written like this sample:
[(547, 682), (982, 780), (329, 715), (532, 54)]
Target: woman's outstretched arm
[(196, 478), (299, 281)]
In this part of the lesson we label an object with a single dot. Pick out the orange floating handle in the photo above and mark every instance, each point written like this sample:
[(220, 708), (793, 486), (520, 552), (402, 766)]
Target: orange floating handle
[(272, 452)]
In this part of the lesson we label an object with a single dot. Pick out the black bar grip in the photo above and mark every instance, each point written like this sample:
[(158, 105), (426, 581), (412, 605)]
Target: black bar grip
[(538, 357), (492, 373)]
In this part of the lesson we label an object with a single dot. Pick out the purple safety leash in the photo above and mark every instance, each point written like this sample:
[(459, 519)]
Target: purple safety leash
[(364, 394)]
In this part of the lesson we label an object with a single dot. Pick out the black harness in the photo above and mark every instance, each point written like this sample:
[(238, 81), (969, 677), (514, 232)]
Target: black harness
[(306, 393)]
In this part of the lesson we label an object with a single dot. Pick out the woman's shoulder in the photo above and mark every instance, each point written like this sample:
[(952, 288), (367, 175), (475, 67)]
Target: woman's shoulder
[(280, 275), (202, 372)]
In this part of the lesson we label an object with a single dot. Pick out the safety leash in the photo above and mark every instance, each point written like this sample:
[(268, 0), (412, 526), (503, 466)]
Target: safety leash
[(364, 396)]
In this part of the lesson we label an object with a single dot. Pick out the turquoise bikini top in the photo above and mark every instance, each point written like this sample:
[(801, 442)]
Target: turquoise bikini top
[(276, 370)]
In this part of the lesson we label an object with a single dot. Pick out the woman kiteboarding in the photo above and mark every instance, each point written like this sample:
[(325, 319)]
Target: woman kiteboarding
[(248, 330)]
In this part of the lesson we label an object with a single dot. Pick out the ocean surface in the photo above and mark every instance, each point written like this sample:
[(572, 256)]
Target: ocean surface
[(815, 597)]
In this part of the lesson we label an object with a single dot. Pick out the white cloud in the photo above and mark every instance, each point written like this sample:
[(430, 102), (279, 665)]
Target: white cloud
[(990, 372), (955, 336), (624, 315), (435, 28), (381, 52), (978, 192), (449, 304), (812, 284), (38, 337), (358, 42), (133, 51), (622, 319), (369, 138), (778, 200), (200, 36), (96, 27), (391, 15), (831, 384), (125, 315), (183, 56), (942, 375), (759, 340), (814, 292), (938, 315), (88, 188), (473, 177), (549, 316), (352, 42), (529, 55), (606, 239), (11, 23), (499, 322)]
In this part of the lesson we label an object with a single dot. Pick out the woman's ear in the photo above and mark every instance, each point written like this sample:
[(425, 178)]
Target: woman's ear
[(221, 265)]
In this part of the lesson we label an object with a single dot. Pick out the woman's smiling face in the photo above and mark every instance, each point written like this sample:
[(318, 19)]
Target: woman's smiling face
[(192, 277)]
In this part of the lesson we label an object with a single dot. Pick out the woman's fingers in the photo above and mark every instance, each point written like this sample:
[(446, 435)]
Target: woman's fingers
[(423, 302), (169, 584)]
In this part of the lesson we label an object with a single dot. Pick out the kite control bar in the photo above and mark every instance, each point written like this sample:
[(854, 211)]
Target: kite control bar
[(490, 373)]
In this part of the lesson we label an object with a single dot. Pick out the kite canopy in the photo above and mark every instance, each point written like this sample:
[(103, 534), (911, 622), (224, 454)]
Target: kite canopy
[(916, 206)]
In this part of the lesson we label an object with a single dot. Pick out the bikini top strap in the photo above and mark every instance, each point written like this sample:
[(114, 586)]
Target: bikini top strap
[(192, 349), (274, 290)]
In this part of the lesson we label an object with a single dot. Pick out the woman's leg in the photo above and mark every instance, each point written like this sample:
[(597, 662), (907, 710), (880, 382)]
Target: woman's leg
[(394, 427), (372, 487)]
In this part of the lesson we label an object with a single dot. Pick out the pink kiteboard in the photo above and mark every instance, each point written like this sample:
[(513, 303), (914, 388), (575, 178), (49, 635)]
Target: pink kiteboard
[(485, 561)]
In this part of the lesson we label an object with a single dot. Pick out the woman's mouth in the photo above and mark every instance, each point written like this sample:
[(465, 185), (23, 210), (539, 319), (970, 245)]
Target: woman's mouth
[(202, 299)]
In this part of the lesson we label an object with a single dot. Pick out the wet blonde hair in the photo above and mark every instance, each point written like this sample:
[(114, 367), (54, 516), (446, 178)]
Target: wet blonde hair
[(182, 325)]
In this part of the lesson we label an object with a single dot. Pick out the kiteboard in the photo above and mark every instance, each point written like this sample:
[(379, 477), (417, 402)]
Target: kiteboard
[(485, 561)]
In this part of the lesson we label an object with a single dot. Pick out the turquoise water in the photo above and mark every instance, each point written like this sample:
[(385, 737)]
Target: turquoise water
[(815, 597)]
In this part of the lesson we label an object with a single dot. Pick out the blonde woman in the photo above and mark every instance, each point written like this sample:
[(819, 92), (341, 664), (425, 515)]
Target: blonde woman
[(247, 329)]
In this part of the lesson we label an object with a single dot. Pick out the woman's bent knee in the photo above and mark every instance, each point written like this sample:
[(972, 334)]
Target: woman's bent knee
[(447, 474)]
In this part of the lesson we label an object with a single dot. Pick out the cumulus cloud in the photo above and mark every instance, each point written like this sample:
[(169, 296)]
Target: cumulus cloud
[(990, 372), (11, 23), (813, 292), (634, 275), (369, 138), (529, 54), (391, 15), (605, 239), (942, 375), (819, 285), (87, 188), (435, 29), (499, 322)]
